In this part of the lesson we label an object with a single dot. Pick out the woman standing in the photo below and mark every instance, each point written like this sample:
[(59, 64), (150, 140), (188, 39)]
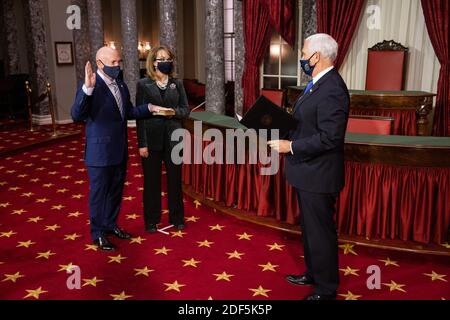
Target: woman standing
[(167, 94)]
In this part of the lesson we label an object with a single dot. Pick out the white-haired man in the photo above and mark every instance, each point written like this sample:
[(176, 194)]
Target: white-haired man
[(315, 163)]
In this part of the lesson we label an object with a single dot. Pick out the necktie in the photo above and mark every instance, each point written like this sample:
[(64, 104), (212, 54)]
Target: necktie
[(118, 97), (308, 87)]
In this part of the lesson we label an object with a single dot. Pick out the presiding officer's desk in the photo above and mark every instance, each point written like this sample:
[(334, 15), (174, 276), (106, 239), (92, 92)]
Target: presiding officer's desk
[(411, 110), (397, 187)]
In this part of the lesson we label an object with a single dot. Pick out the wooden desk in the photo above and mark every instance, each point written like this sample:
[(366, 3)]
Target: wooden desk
[(384, 103)]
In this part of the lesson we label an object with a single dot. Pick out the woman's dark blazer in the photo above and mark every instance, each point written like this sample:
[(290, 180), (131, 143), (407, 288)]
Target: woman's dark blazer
[(155, 132)]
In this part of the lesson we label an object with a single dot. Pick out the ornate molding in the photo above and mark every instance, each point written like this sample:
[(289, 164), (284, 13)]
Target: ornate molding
[(390, 45)]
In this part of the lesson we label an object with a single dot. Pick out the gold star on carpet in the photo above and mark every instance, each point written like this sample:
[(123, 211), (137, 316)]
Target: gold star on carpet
[(34, 293), (163, 250), (58, 207), (174, 286), (34, 180), (80, 182), (77, 196), (192, 219), (348, 248), (268, 266), (435, 276), (22, 175), (72, 237), (163, 194), (191, 263), (178, 234), (350, 296), (446, 245), (137, 240), (52, 228), (48, 185), (120, 296), (25, 244), (45, 255), (117, 259), (349, 271), (92, 247), (13, 277), (205, 243), (7, 234), (91, 282), (165, 211), (216, 227), (389, 262), (128, 198), (74, 214), (223, 276), (144, 271), (275, 246), (260, 291), (235, 255), (245, 236), (64, 190), (18, 212), (43, 200), (27, 194), (35, 219), (394, 286), (132, 216), (197, 204), (3, 183), (14, 188), (66, 177), (5, 204), (66, 267)]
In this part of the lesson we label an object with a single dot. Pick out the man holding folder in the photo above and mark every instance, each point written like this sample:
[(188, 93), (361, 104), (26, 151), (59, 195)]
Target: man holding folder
[(315, 163)]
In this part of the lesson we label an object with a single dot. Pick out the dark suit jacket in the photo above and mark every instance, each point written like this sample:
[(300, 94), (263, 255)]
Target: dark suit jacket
[(318, 142), (155, 132), (106, 131)]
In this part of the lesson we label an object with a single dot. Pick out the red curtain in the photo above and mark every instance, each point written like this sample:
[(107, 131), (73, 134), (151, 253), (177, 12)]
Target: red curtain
[(339, 19), (256, 40), (282, 18), (437, 19)]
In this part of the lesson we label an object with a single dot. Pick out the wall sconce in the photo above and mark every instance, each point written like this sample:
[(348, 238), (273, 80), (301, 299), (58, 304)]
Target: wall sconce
[(112, 44), (275, 50)]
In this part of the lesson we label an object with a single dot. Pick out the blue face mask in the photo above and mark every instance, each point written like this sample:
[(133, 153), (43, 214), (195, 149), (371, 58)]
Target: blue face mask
[(307, 67), (112, 72)]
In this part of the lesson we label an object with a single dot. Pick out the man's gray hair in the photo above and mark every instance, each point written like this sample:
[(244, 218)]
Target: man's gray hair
[(325, 44)]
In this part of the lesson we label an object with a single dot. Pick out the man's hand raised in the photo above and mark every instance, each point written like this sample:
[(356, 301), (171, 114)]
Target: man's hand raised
[(89, 80)]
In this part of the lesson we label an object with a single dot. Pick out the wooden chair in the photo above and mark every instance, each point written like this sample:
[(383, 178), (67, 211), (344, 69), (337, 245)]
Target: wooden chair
[(370, 125), (386, 66)]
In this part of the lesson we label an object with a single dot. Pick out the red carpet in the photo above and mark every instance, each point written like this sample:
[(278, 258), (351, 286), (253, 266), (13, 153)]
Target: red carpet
[(43, 229)]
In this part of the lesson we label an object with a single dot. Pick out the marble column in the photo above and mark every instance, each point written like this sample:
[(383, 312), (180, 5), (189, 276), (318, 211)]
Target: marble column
[(239, 58), (214, 48), (168, 24), (81, 41), (130, 53), (95, 21), (10, 36), (37, 54), (309, 27)]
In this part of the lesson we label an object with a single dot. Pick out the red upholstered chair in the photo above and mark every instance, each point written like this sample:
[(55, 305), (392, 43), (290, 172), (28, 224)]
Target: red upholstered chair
[(386, 66), (370, 125), (277, 96)]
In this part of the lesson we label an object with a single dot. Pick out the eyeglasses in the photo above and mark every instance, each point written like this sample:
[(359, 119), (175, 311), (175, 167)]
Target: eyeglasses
[(164, 60)]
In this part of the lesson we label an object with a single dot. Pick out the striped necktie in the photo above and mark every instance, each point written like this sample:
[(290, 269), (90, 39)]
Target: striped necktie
[(118, 97)]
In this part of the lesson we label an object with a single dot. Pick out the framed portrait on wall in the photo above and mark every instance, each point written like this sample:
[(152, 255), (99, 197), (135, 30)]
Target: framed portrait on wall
[(64, 53)]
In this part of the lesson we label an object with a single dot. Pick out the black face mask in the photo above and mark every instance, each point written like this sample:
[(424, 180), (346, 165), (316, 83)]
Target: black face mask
[(307, 67), (165, 67)]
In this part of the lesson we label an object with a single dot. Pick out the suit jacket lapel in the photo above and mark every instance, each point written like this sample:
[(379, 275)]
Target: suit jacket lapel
[(153, 91), (313, 90)]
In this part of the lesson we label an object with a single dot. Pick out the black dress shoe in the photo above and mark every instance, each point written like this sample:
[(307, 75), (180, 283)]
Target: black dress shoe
[(120, 234), (152, 228), (180, 226), (104, 244), (318, 297), (301, 280)]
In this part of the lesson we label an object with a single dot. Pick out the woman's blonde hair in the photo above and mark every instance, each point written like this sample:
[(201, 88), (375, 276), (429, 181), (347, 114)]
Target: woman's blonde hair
[(151, 71)]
